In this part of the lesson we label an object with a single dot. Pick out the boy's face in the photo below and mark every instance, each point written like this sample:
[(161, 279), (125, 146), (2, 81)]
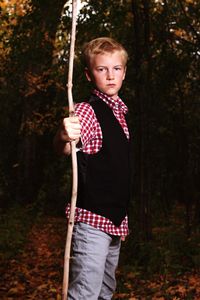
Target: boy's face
[(107, 72)]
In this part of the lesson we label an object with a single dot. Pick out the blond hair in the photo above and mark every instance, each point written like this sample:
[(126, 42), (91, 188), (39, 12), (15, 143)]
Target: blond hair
[(102, 45)]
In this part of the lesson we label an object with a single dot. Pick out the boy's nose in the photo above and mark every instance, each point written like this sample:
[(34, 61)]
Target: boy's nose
[(110, 75)]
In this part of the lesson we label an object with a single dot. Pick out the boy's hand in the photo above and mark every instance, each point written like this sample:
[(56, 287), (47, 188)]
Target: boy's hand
[(71, 129)]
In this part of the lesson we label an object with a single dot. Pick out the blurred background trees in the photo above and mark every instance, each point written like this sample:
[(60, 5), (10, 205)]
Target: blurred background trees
[(161, 89)]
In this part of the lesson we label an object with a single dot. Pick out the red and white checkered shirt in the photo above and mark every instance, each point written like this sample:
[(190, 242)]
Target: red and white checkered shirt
[(91, 140)]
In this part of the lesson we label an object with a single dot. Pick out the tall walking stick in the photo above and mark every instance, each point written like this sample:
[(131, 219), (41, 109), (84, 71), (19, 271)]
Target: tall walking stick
[(73, 153)]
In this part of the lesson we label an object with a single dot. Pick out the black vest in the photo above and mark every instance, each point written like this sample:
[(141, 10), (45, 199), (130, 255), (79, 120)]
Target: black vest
[(104, 177)]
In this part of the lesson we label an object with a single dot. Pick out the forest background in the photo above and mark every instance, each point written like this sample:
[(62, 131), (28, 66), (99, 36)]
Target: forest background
[(161, 90)]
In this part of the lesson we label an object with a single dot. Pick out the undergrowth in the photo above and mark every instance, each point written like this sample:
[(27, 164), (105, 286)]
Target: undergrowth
[(170, 250), (15, 223)]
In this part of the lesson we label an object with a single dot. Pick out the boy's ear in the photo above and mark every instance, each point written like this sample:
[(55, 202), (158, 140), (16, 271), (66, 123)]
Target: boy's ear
[(124, 73), (87, 74)]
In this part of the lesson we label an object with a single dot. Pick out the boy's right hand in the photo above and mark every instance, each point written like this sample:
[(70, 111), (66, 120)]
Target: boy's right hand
[(71, 129)]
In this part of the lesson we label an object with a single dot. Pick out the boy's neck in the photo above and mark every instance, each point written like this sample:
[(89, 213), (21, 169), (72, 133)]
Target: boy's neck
[(98, 92)]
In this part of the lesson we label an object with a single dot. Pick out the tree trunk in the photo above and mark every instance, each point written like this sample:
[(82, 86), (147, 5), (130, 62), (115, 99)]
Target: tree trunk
[(142, 78), (41, 38)]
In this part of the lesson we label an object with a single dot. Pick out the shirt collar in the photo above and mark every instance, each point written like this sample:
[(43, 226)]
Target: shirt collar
[(114, 104)]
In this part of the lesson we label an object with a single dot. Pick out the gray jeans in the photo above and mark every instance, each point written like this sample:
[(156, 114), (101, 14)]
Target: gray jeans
[(94, 262)]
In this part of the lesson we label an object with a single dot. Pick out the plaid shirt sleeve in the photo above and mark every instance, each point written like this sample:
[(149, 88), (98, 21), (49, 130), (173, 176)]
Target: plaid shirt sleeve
[(91, 135)]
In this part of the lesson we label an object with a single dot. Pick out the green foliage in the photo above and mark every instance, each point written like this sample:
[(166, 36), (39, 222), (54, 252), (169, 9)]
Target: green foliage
[(15, 225), (170, 251)]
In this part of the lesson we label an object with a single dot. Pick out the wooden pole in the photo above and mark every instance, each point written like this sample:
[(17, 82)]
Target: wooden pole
[(73, 154)]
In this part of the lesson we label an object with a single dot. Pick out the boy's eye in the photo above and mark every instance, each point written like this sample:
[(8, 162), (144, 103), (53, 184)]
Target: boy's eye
[(100, 69), (118, 68)]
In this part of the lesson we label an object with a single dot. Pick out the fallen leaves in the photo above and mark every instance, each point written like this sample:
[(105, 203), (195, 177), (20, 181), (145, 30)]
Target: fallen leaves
[(36, 273), (182, 287)]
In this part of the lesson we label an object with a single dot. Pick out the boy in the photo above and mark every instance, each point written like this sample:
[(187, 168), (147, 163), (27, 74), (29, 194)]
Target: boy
[(101, 133)]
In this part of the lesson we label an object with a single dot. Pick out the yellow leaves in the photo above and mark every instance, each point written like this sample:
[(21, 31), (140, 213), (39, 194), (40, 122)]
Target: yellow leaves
[(38, 123), (53, 290), (180, 33), (37, 83), (16, 7), (128, 19), (159, 287), (131, 275), (42, 287), (123, 296), (190, 1), (177, 290), (17, 290), (59, 297)]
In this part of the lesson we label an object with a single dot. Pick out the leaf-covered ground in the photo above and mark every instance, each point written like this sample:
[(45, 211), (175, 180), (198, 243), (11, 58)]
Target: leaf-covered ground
[(36, 273)]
